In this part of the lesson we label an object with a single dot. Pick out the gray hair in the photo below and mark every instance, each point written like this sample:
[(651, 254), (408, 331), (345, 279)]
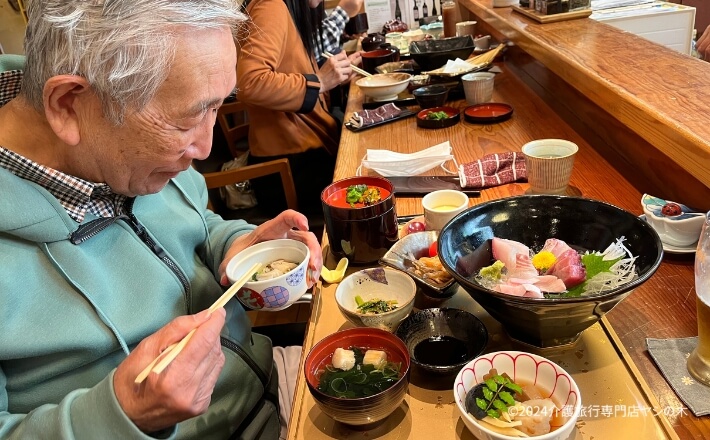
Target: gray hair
[(123, 48)]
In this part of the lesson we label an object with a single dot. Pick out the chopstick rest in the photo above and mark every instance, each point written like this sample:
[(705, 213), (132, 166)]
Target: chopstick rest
[(170, 353)]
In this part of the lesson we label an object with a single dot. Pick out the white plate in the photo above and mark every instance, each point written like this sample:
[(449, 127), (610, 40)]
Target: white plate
[(690, 249)]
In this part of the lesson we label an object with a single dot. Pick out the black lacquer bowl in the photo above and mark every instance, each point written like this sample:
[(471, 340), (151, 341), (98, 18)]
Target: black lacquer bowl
[(584, 224)]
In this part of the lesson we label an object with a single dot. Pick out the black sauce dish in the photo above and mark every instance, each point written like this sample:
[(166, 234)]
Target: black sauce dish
[(584, 224), (441, 341), (431, 96)]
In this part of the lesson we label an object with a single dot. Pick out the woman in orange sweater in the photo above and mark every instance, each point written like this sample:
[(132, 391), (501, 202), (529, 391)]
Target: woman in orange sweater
[(286, 96)]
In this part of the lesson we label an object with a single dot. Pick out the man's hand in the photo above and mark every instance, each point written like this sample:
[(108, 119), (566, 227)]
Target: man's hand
[(351, 7), (703, 45), (184, 389), (288, 224)]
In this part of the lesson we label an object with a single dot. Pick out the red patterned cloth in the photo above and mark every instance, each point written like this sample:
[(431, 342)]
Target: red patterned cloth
[(493, 170)]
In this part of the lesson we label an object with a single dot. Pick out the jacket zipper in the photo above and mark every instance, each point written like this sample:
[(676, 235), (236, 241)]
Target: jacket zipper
[(249, 361), (88, 230)]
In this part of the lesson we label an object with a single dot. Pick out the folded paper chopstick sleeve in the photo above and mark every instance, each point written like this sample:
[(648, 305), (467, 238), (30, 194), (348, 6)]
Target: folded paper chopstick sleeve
[(493, 170), (366, 117)]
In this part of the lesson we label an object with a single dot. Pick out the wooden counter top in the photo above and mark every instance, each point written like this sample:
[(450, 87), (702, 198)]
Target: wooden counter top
[(658, 93), (663, 307)]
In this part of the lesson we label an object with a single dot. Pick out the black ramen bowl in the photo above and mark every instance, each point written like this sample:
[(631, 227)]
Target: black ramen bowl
[(363, 234), (432, 54), (584, 224), (442, 341)]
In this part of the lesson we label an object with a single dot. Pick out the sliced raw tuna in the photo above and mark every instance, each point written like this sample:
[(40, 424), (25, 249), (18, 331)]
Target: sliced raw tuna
[(557, 247), (569, 268)]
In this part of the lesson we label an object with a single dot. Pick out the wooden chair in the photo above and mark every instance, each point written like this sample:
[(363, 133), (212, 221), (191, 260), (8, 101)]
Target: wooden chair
[(234, 124)]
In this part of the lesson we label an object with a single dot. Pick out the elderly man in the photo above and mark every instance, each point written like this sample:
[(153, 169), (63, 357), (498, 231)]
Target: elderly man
[(107, 252)]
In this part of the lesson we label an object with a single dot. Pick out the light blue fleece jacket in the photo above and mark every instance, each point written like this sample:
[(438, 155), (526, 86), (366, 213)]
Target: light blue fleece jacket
[(69, 313)]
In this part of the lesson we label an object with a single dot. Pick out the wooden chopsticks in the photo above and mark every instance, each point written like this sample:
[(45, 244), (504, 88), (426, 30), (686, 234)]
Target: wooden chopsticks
[(169, 354), (355, 68)]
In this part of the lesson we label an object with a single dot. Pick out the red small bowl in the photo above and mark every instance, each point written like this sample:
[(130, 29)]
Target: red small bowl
[(363, 411), (487, 113), (453, 119)]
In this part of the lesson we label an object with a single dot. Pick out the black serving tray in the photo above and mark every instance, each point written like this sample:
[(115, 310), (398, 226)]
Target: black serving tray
[(405, 114)]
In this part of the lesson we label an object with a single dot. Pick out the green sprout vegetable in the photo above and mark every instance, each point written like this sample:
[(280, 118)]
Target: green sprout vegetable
[(362, 194), (437, 116), (493, 396), (374, 306)]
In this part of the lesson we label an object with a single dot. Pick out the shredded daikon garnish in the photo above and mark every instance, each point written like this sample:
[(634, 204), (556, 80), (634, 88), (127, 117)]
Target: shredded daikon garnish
[(619, 273)]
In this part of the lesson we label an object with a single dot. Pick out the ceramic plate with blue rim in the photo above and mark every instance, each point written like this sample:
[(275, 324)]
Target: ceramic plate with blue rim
[(677, 225)]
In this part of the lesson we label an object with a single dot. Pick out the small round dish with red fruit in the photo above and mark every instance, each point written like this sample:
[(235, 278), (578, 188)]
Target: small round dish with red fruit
[(438, 117), (417, 255)]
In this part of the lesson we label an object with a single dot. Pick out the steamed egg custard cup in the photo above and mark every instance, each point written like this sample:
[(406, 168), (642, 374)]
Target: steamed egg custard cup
[(276, 293)]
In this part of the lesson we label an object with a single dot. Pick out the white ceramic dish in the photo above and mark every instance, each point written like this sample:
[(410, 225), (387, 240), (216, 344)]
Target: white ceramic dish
[(676, 224), (690, 249), (378, 283), (520, 367), (277, 293), (384, 86)]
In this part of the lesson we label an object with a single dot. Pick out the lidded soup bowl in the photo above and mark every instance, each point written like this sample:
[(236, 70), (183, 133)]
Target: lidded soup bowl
[(361, 233)]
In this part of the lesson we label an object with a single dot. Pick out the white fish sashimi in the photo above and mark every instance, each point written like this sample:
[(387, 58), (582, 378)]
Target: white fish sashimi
[(506, 250)]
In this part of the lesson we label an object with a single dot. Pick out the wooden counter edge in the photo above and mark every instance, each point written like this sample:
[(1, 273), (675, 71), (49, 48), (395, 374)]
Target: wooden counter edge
[(677, 139)]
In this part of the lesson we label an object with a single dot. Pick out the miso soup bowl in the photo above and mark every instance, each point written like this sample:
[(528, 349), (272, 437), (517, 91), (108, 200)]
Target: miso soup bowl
[(364, 411), (279, 292), (527, 368), (362, 234)]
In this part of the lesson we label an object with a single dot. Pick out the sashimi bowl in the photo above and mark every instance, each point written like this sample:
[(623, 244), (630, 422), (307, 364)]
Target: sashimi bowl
[(523, 290), (384, 86)]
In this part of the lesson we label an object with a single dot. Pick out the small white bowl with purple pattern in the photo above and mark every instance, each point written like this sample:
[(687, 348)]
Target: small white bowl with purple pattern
[(276, 293), (675, 223), (524, 368)]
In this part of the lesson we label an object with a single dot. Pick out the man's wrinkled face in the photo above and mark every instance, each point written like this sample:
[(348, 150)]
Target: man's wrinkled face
[(155, 145)]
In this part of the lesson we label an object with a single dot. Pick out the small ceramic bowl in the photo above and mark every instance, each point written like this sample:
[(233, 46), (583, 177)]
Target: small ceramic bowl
[(676, 224), (378, 283), (276, 293), (384, 86), (424, 119), (525, 368), (367, 411), (442, 341), (431, 96), (416, 245)]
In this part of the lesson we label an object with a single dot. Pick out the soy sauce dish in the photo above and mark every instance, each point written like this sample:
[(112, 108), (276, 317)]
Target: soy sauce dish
[(438, 117), (441, 341)]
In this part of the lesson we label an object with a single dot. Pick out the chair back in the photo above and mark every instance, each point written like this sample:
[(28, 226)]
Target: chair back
[(233, 119)]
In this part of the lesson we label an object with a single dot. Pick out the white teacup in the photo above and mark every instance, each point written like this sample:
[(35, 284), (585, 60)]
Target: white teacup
[(441, 206)]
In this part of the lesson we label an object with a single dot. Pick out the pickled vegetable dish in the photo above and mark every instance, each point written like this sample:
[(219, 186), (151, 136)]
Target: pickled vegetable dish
[(358, 372), (357, 196)]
